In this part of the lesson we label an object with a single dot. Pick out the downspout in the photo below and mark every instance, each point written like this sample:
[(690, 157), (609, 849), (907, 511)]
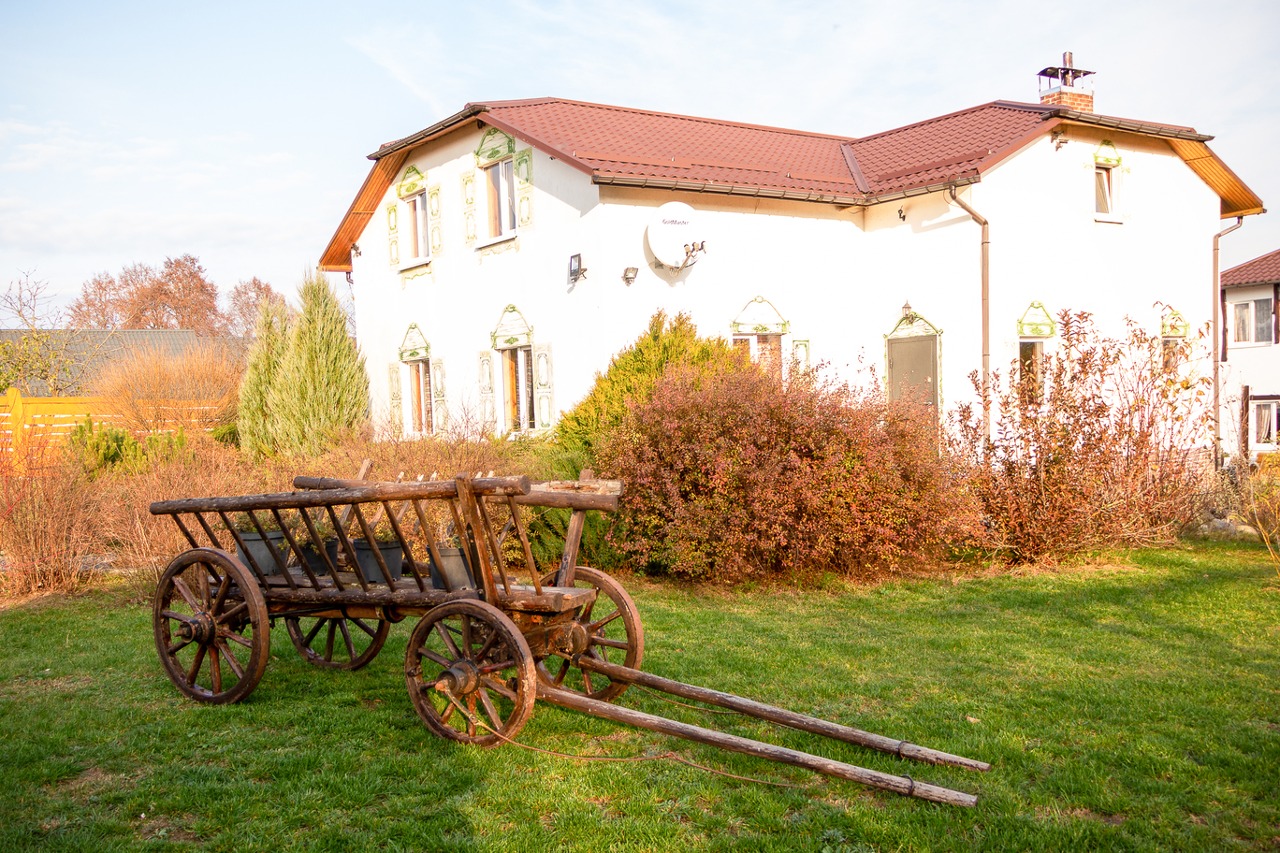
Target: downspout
[(1218, 345), (986, 308)]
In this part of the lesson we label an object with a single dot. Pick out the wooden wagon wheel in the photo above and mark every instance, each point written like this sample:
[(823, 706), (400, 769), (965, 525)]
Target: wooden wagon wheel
[(337, 642), (613, 634), (470, 673), (211, 627)]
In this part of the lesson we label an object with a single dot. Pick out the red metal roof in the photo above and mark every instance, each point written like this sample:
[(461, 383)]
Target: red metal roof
[(1262, 270), (642, 148)]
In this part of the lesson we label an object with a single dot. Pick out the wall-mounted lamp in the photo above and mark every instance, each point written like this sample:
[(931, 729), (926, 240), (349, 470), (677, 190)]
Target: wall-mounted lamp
[(902, 214), (576, 269), (355, 249), (629, 275)]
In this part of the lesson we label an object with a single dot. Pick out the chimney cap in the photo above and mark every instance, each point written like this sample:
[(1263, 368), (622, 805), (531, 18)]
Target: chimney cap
[(1064, 72)]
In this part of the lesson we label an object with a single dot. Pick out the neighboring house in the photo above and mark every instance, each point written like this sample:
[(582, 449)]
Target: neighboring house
[(501, 256), (79, 354), (1250, 370)]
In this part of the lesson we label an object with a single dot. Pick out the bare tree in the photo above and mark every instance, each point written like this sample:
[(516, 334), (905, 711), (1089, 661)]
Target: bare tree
[(177, 296), (41, 358), (244, 304)]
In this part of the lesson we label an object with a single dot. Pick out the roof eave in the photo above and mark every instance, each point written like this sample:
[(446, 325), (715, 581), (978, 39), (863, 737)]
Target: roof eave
[(839, 200)]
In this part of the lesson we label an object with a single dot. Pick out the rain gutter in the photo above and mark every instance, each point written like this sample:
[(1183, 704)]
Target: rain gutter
[(986, 308), (1219, 346)]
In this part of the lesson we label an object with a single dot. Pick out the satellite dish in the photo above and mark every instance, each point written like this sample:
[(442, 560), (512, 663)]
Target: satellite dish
[(673, 234)]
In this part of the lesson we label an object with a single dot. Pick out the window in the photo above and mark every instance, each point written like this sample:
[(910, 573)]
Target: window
[(1103, 198), (1171, 351), (1031, 371), (500, 198), (419, 237), (517, 387), (421, 416), (764, 350), (1253, 322), (1264, 423)]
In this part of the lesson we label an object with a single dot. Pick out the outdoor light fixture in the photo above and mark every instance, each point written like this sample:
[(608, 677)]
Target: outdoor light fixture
[(576, 269), (629, 275), (902, 214)]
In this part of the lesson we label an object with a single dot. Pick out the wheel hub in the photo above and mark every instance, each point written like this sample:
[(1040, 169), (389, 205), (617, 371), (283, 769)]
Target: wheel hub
[(461, 678), (201, 628)]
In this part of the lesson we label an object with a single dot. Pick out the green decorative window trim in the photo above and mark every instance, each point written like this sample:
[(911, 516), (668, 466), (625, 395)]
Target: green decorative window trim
[(1106, 155), (800, 352), (433, 213), (411, 182), (414, 346), (494, 145), (512, 330), (1036, 322), (470, 231), (912, 325), (523, 168), (424, 270), (393, 217), (760, 317), (1174, 325)]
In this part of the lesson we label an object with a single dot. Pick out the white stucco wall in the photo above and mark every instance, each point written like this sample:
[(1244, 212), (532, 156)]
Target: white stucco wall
[(1252, 364), (840, 277)]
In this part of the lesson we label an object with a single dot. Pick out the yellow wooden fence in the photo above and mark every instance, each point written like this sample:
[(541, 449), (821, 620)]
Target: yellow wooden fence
[(30, 427)]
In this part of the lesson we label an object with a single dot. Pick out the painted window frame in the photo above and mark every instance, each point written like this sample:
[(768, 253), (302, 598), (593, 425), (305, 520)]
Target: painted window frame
[(1263, 426), (764, 350), (419, 230), (498, 180), (1251, 325), (422, 415)]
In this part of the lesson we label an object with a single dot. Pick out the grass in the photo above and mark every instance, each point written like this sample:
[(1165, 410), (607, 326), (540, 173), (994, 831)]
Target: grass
[(1123, 708)]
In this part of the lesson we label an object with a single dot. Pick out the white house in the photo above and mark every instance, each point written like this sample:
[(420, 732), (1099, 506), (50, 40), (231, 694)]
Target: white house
[(1250, 368), (501, 256)]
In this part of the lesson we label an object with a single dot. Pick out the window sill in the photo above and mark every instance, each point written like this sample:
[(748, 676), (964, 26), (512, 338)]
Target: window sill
[(493, 241), (1249, 345), (1108, 218), (416, 263)]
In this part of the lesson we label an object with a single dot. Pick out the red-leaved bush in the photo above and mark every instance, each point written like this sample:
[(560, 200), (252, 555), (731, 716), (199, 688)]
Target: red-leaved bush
[(731, 474), (1106, 445)]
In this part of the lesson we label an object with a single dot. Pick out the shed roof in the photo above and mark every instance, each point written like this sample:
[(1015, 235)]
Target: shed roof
[(1260, 270), (642, 148)]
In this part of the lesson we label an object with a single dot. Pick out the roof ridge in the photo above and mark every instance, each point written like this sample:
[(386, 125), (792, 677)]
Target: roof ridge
[(492, 105)]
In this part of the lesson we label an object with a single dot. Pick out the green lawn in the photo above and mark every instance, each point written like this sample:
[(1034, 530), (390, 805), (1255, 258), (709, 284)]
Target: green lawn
[(1121, 708)]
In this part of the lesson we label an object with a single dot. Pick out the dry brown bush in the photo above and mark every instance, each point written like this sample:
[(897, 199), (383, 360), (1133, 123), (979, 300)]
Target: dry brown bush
[(153, 390), (48, 530)]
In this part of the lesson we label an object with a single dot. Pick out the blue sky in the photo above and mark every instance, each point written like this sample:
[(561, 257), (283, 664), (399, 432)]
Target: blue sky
[(238, 132)]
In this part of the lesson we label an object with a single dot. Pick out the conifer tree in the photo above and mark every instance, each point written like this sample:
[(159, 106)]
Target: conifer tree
[(322, 389), (271, 337)]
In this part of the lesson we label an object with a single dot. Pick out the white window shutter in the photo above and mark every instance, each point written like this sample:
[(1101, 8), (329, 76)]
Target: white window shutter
[(542, 382), (439, 402), (488, 403)]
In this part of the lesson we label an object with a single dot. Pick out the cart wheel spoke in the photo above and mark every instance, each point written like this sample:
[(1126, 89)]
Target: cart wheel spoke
[(499, 687), (346, 639), (186, 594), (315, 629), (224, 652), (620, 629), (195, 664), (215, 666), (317, 640), (234, 613), (595, 626), (484, 669), (239, 640)]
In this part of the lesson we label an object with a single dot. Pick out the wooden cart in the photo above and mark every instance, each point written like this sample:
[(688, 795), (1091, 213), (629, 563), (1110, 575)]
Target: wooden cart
[(487, 643)]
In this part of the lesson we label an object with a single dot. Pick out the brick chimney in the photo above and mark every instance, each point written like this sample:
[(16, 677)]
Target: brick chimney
[(1059, 86)]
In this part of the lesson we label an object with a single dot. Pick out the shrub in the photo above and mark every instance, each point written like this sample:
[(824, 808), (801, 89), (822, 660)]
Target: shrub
[(152, 389), (1260, 502), (48, 527), (630, 378), (1112, 451), (731, 474)]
